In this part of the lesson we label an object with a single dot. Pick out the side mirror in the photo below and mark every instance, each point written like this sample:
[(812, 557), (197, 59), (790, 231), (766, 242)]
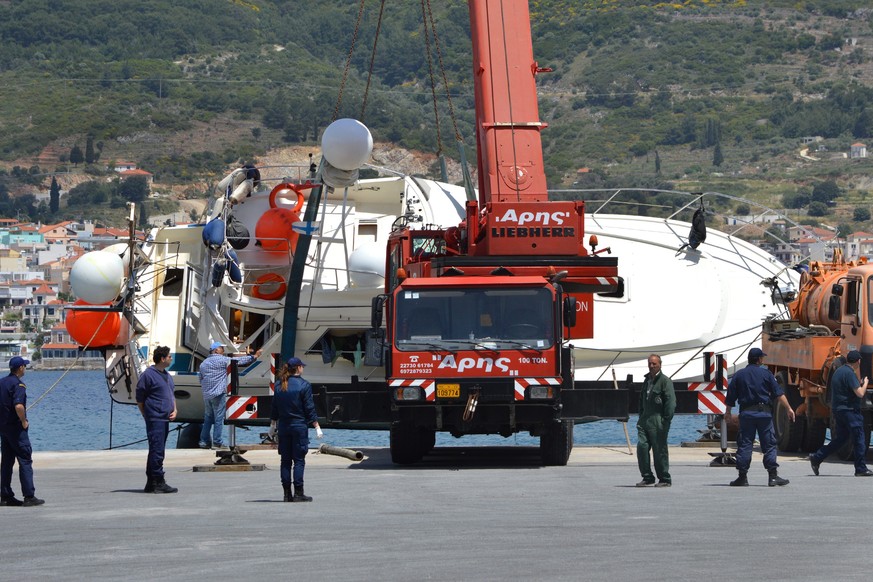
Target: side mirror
[(569, 311), (376, 307), (837, 290)]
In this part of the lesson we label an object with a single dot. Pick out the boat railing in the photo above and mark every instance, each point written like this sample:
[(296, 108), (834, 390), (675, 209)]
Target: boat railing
[(680, 205), (738, 348)]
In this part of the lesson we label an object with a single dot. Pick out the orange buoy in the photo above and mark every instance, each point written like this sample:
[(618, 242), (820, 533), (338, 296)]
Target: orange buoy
[(283, 189), (275, 230), (269, 286), (102, 326)]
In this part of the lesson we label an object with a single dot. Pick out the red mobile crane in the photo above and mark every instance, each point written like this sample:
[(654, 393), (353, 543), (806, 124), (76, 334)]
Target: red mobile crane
[(478, 315)]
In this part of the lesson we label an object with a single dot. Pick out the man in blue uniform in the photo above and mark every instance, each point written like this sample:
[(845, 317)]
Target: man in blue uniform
[(657, 405), (756, 389), (14, 441), (157, 404), (292, 412), (846, 394), (213, 383)]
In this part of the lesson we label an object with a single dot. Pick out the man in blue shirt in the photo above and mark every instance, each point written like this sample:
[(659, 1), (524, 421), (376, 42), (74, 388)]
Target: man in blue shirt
[(157, 404), (756, 389), (846, 394), (14, 440), (213, 383)]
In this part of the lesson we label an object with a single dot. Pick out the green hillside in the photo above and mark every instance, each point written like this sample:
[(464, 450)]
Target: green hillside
[(697, 95)]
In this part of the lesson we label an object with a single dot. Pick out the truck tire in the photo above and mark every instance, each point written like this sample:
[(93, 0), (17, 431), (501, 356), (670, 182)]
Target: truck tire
[(556, 444), (789, 435), (426, 440), (405, 444), (814, 438)]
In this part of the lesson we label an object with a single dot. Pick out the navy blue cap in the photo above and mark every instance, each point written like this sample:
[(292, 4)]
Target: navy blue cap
[(295, 361), (18, 361), (853, 356), (756, 353)]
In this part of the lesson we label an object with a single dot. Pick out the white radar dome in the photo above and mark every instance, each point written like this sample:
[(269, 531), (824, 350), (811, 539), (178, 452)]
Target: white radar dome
[(97, 277), (347, 144), (123, 251), (367, 266)]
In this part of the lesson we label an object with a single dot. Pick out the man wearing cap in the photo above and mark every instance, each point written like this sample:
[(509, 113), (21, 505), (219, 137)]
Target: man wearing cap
[(14, 441), (213, 383), (757, 390), (292, 412), (846, 394)]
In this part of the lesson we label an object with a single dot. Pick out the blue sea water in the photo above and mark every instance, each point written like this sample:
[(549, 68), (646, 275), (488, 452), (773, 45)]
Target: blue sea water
[(76, 414)]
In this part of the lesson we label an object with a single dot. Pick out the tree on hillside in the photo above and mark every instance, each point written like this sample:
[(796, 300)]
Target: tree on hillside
[(844, 230), (817, 208), (276, 114), (143, 217), (92, 192), (54, 196), (712, 133), (797, 200), (89, 150), (717, 156), (134, 189), (864, 123), (826, 192), (76, 156), (861, 214)]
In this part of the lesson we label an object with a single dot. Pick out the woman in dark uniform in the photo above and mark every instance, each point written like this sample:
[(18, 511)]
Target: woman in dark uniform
[(292, 413)]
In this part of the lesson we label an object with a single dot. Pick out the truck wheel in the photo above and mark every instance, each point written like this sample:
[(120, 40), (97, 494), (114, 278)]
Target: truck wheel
[(405, 444), (814, 438), (556, 443), (426, 440), (789, 435)]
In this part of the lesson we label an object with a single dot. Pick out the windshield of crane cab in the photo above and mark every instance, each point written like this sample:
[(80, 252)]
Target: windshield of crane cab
[(474, 318)]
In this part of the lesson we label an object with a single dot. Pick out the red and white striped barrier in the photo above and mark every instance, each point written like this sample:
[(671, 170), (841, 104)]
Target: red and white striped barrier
[(711, 393), (711, 402), (241, 407)]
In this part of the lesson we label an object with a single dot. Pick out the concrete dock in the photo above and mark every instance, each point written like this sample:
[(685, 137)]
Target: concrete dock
[(462, 514)]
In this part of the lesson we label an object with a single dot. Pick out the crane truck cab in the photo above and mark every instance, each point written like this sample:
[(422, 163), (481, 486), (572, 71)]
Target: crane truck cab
[(479, 355)]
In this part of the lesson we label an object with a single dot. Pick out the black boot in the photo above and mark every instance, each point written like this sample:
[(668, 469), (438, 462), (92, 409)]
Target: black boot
[(740, 481), (288, 495), (160, 486), (300, 496), (149, 486), (775, 479)]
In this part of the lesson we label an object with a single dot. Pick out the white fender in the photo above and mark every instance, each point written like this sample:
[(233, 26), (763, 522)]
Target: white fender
[(242, 191)]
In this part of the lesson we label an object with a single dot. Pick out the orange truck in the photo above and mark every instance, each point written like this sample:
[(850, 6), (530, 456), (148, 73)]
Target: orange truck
[(830, 316)]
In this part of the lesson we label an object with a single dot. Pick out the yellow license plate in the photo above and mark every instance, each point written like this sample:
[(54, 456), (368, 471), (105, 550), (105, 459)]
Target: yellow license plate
[(448, 390)]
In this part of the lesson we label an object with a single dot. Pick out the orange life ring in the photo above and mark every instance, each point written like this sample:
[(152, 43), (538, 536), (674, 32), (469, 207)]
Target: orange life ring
[(269, 279), (298, 188)]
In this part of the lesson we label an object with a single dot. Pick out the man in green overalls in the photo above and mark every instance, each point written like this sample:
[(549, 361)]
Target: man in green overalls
[(657, 405)]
